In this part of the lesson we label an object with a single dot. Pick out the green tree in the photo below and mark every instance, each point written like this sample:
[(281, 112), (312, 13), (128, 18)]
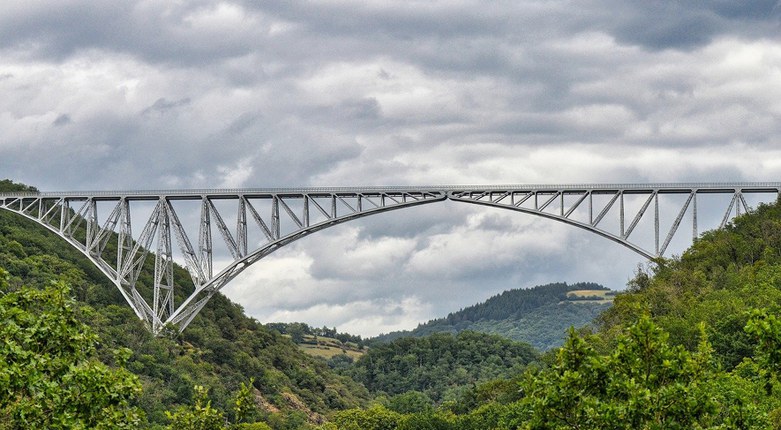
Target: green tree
[(377, 417), (50, 376), (766, 328), (428, 420), (644, 384), (410, 402), (244, 407), (201, 416)]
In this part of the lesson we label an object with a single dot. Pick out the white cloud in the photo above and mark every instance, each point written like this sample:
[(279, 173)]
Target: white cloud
[(369, 317)]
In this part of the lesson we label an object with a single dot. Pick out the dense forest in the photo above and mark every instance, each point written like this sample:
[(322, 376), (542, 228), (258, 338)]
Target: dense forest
[(539, 315), (694, 343), (441, 365)]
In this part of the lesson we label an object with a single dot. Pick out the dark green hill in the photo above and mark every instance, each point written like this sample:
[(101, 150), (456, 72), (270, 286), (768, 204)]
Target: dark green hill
[(539, 316), (221, 348), (440, 364)]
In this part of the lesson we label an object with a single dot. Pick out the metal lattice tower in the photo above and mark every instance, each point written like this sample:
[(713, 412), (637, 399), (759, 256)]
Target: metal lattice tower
[(266, 220)]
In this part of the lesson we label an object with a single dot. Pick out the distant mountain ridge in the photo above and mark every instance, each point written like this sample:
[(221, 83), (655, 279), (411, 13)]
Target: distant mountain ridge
[(540, 315)]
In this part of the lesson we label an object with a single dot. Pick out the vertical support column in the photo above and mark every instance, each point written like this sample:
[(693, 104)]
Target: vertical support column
[(92, 223), (738, 198), (591, 208), (241, 227), (163, 304), (125, 239), (695, 233), (205, 239), (656, 221), (275, 229), (621, 208), (561, 200), (63, 214), (306, 211)]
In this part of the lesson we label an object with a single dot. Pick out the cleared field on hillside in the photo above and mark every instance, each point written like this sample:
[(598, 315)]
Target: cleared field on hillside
[(591, 296), (327, 347)]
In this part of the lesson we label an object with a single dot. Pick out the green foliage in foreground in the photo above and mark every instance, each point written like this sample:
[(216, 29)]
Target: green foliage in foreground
[(50, 378), (644, 383), (50, 375)]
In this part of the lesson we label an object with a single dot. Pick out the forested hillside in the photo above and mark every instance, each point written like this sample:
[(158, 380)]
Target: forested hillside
[(718, 281), (694, 343), (219, 351), (539, 316), (441, 365)]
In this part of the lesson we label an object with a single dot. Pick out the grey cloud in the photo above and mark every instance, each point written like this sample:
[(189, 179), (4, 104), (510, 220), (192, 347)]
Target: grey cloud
[(48, 30), (689, 24), (61, 120), (243, 122), (364, 109), (163, 105), (449, 38), (157, 32)]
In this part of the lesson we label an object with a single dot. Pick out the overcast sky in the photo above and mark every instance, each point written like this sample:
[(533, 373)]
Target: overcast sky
[(99, 94)]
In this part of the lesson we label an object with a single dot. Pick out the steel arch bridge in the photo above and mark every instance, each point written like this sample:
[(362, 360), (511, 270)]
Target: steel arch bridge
[(101, 225)]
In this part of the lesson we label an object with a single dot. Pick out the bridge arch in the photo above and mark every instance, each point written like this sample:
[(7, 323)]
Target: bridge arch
[(291, 214)]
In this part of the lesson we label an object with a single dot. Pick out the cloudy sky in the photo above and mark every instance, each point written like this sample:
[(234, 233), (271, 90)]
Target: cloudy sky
[(99, 94)]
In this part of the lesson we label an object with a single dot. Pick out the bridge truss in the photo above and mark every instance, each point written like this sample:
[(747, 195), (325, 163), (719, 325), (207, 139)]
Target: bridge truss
[(240, 227)]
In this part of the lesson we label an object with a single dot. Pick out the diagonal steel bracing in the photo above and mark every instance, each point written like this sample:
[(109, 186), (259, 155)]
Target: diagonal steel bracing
[(251, 224), (259, 222), (576, 205)]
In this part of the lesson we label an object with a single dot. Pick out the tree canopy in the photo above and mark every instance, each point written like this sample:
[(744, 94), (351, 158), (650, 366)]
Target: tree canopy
[(50, 374)]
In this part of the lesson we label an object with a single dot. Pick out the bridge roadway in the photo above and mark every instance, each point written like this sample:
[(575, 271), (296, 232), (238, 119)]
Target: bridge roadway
[(92, 220)]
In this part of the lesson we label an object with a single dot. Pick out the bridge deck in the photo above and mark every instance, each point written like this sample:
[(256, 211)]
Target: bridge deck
[(663, 188)]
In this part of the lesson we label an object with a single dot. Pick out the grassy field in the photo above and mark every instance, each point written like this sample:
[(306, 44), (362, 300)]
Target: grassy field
[(591, 296), (327, 347)]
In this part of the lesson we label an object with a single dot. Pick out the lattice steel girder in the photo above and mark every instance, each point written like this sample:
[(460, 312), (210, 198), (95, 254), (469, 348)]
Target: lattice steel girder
[(268, 219), (539, 200), (77, 218)]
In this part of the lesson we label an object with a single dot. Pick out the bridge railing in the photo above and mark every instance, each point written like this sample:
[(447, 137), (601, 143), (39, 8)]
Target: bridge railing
[(660, 186)]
